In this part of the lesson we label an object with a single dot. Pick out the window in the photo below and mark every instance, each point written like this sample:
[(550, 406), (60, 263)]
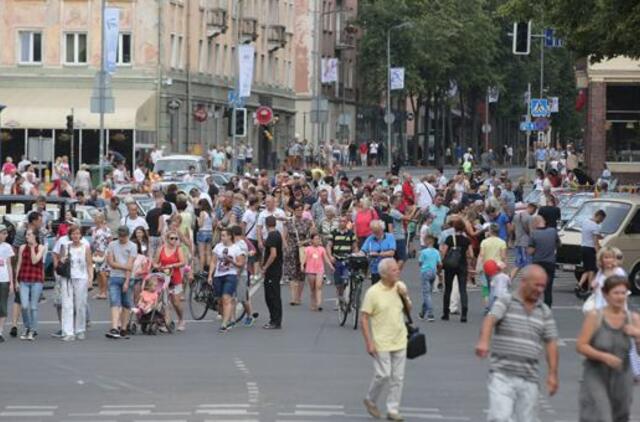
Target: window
[(634, 225), (202, 56), (75, 48), (176, 51), (30, 47), (124, 49)]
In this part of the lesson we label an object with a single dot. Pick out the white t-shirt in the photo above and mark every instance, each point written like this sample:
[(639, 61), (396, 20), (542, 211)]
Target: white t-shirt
[(589, 229), (373, 148), (7, 183), (6, 252), (226, 256), (78, 261), (134, 223), (138, 175), (277, 213), (250, 219), (426, 193), (119, 177), (64, 242)]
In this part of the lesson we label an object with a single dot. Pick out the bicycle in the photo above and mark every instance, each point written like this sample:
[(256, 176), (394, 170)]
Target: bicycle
[(202, 298), (351, 298)]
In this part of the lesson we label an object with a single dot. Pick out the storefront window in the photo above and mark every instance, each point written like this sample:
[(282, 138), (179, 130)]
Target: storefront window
[(623, 141)]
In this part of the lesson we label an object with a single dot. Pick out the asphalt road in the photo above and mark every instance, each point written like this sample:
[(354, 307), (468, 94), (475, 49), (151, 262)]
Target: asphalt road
[(312, 370)]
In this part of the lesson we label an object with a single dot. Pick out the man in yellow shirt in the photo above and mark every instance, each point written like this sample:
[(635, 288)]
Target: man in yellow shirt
[(385, 335)]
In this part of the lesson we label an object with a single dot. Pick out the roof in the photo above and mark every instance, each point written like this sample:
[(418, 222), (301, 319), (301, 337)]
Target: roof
[(630, 199)]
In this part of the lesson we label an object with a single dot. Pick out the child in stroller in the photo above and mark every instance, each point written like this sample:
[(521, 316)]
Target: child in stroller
[(150, 312)]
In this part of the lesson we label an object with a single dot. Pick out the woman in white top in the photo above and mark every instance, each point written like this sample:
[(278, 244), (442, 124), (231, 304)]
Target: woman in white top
[(607, 266), (74, 290)]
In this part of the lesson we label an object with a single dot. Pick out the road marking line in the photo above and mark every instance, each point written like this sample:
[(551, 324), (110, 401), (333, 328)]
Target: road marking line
[(225, 412), (224, 405), (231, 420), (325, 413), (124, 412), (438, 417), (170, 413), (160, 420), (128, 406), (31, 407), (419, 409), (25, 413), (319, 406)]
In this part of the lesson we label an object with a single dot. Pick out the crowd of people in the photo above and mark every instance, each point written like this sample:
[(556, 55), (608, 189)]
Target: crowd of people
[(296, 226)]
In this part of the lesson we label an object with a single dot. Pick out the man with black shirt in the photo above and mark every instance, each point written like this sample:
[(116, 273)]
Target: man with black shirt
[(550, 212), (153, 221), (272, 270)]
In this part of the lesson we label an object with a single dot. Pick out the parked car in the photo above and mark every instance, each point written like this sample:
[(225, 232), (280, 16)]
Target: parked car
[(621, 229), (179, 164)]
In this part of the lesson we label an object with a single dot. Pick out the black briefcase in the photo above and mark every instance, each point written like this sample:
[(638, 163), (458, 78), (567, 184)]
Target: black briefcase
[(416, 341)]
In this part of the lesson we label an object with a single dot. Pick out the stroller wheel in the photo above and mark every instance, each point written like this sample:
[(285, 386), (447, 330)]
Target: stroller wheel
[(133, 328), (171, 327), (153, 329), (143, 328)]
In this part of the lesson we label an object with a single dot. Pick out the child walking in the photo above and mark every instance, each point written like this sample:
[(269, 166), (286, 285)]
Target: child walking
[(498, 280), (430, 262), (315, 256)]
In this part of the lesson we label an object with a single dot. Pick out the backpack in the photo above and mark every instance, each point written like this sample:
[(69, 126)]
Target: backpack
[(453, 259)]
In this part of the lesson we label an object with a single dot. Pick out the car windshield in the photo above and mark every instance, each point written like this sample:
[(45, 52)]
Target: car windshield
[(146, 204), (616, 212), (173, 166), (533, 197), (577, 201)]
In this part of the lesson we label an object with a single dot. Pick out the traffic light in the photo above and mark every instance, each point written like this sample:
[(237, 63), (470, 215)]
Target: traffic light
[(70, 123), (241, 122), (522, 38)]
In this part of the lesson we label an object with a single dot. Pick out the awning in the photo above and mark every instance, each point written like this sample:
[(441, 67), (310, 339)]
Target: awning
[(47, 109)]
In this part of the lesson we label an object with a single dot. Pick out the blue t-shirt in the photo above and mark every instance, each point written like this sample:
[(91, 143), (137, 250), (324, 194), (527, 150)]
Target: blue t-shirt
[(373, 244), (502, 222), (439, 217), (429, 259)]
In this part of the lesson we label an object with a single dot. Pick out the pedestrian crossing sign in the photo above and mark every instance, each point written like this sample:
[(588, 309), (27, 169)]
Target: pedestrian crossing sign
[(539, 107)]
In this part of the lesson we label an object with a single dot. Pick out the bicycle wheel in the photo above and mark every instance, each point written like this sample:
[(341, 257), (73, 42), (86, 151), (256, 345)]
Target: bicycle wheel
[(355, 304), (239, 312), (199, 296), (344, 305)]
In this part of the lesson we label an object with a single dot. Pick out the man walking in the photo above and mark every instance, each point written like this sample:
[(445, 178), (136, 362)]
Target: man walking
[(272, 269), (385, 336), (590, 245), (543, 242), (120, 256), (523, 326)]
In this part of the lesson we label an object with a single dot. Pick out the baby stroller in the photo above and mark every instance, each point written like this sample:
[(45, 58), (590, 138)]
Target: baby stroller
[(154, 319)]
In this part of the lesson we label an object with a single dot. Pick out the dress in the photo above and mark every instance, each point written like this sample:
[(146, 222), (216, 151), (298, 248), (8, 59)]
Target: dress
[(292, 268), (605, 393)]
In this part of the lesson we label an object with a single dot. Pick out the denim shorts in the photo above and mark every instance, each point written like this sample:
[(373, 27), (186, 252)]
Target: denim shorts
[(401, 250), (522, 257), (341, 274), (117, 297), (204, 236), (225, 285)]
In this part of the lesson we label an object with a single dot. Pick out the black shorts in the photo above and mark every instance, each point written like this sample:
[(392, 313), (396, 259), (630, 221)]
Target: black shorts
[(589, 259), (4, 298)]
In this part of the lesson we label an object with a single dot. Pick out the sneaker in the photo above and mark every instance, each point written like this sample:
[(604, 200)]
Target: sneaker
[(124, 334), (421, 315), (32, 335), (394, 417), (249, 321), (271, 327), (2, 338), (13, 332), (445, 317), (463, 319), (68, 338), (223, 329), (57, 334), (113, 333), (80, 336), (430, 318), (372, 408), (25, 335)]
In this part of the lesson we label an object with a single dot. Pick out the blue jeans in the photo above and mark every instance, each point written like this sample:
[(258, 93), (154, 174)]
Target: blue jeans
[(427, 278), (29, 297)]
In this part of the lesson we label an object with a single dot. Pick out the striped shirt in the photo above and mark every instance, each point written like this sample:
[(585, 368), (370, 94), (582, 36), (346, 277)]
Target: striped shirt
[(520, 336), (342, 242)]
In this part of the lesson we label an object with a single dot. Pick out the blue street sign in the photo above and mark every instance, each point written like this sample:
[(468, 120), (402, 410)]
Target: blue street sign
[(541, 124), (527, 126), (539, 107), (550, 40)]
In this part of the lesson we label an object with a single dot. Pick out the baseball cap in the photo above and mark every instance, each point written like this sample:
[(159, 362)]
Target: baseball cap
[(123, 231), (3, 228)]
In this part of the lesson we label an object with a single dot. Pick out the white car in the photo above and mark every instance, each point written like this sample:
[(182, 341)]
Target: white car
[(177, 164)]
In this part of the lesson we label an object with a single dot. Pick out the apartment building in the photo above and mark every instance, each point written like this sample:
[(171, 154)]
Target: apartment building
[(176, 63), (325, 29)]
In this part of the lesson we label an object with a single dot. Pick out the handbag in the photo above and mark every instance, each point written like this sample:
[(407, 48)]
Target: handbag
[(416, 341), (64, 266), (453, 258), (589, 304)]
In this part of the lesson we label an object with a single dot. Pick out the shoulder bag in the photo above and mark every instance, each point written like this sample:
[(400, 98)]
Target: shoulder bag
[(64, 265), (453, 258), (416, 341)]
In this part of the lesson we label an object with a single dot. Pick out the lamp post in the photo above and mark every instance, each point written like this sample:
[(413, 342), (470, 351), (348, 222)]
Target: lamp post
[(2, 107), (388, 114)]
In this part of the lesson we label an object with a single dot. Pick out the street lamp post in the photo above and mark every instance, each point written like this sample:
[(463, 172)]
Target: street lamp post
[(388, 113), (2, 107)]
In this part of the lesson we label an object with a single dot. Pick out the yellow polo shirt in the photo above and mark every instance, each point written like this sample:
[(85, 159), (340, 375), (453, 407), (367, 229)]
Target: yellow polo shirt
[(385, 310)]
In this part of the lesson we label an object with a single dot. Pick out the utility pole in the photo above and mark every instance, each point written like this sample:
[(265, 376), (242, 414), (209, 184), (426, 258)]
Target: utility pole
[(528, 158), (485, 128), (234, 120)]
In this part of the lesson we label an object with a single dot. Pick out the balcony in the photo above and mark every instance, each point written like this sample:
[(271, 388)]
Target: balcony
[(276, 37), (249, 29), (216, 22)]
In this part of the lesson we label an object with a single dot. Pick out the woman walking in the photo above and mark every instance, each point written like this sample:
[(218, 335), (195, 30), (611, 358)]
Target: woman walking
[(296, 235), (204, 237), (100, 238), (30, 279), (606, 390), (74, 290), (170, 260), (314, 259), (456, 250)]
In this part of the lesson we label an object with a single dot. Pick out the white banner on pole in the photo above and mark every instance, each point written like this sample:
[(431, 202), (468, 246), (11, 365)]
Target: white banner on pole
[(329, 71), (493, 94), (397, 78), (245, 64), (554, 104), (111, 35)]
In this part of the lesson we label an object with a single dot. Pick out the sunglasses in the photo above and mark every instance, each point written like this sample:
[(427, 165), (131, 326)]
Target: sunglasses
[(173, 238)]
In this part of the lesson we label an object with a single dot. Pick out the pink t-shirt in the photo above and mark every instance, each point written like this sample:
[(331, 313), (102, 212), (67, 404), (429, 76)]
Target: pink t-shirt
[(314, 263)]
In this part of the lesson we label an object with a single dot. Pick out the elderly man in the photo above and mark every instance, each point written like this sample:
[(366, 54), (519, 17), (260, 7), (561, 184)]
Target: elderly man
[(378, 245), (270, 210), (318, 207), (543, 243), (523, 326), (385, 336)]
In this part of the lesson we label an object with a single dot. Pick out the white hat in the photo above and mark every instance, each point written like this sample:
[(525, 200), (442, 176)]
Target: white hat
[(296, 175), (247, 175)]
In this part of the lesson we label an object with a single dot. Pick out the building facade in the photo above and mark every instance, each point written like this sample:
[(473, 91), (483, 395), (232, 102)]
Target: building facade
[(325, 29), (612, 130), (176, 63)]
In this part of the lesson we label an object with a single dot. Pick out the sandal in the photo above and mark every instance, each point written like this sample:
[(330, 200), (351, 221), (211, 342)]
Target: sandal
[(99, 297)]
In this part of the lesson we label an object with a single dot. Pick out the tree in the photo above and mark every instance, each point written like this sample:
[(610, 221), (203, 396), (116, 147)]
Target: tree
[(599, 29)]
